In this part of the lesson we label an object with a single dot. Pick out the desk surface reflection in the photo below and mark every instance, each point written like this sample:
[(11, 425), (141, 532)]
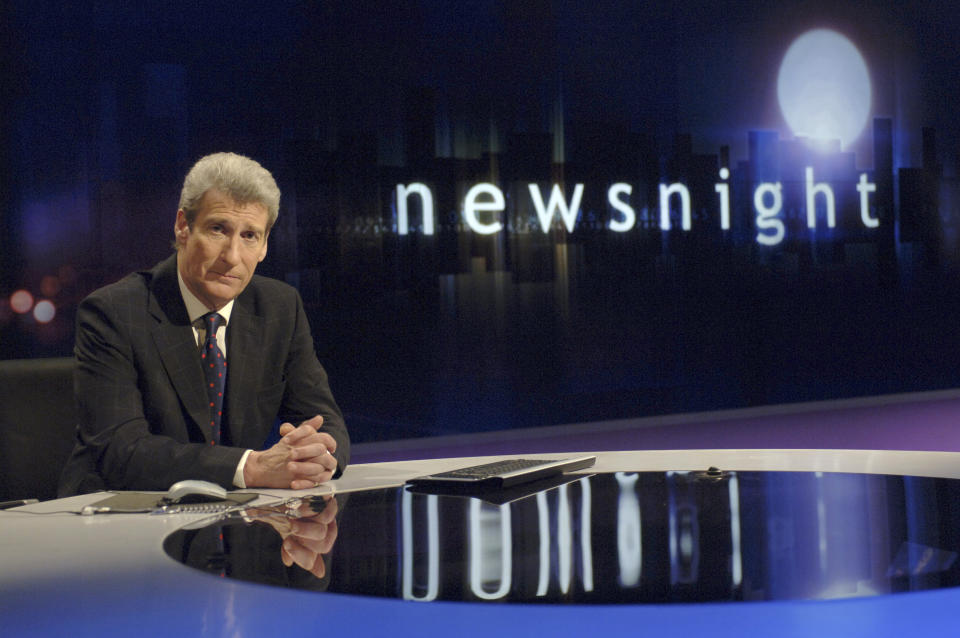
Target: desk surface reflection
[(624, 537)]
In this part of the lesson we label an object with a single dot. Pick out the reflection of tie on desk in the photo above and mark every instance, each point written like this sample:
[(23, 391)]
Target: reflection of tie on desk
[(215, 372), (242, 543)]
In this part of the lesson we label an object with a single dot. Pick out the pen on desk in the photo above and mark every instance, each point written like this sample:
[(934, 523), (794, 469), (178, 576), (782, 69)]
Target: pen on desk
[(5, 505)]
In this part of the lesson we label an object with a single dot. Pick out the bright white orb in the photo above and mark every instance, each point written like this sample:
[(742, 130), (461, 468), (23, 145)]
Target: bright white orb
[(44, 311), (824, 87)]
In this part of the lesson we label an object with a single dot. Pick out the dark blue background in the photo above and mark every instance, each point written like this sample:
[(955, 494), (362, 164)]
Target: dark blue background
[(106, 105)]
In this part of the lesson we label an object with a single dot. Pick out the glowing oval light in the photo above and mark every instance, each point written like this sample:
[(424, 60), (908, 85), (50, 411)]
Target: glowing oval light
[(21, 301), (44, 311), (824, 87), (49, 286)]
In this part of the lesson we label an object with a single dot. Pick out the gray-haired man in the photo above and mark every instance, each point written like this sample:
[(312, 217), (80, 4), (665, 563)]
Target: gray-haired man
[(153, 408)]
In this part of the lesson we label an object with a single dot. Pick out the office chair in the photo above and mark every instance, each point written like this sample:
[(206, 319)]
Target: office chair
[(37, 425)]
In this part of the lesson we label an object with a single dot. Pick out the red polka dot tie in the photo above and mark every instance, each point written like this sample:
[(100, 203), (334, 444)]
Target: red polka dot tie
[(215, 372)]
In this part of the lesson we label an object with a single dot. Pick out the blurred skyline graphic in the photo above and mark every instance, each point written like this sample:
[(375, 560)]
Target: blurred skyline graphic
[(604, 105)]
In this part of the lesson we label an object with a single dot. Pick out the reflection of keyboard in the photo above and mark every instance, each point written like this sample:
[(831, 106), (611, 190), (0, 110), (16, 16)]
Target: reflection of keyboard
[(505, 473)]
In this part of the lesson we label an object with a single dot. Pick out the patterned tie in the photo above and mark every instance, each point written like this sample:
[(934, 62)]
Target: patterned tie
[(215, 371)]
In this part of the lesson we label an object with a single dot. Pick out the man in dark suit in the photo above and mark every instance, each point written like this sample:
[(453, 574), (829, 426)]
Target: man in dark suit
[(149, 414)]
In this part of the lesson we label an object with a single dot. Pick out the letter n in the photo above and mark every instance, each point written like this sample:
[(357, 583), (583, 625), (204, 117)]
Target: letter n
[(426, 204)]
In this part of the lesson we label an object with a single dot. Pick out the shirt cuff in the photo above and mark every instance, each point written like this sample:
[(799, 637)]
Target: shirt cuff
[(238, 475)]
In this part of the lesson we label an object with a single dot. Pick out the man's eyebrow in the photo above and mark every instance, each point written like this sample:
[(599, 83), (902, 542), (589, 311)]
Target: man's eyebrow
[(233, 221), (236, 221)]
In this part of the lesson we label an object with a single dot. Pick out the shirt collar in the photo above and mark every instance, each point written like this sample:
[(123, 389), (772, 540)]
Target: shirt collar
[(196, 308)]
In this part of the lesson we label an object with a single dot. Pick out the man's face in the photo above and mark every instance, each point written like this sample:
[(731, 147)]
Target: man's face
[(218, 255)]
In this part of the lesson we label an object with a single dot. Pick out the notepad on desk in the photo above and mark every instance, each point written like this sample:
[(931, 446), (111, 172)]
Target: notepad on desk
[(145, 502)]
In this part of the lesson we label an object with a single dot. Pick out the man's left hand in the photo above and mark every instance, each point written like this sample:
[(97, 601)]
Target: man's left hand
[(301, 459), (311, 454)]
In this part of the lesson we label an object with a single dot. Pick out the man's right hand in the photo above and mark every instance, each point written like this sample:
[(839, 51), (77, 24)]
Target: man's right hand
[(302, 458)]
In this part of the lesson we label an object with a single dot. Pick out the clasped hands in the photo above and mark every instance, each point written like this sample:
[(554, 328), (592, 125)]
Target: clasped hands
[(301, 459)]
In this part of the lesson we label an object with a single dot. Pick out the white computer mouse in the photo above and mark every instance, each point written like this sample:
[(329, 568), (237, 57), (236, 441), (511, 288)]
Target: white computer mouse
[(195, 491)]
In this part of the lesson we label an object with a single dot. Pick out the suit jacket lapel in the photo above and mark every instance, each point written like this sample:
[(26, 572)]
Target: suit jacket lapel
[(244, 341), (177, 345)]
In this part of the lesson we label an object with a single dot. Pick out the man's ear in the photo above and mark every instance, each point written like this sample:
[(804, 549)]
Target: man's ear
[(263, 251), (181, 230)]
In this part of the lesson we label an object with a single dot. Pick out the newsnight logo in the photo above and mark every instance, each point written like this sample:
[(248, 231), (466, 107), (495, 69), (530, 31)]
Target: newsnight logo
[(824, 94)]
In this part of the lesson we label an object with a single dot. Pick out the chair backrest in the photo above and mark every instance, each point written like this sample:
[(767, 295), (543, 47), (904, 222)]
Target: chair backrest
[(37, 425)]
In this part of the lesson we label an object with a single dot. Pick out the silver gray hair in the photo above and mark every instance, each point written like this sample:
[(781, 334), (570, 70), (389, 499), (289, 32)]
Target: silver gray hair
[(239, 177)]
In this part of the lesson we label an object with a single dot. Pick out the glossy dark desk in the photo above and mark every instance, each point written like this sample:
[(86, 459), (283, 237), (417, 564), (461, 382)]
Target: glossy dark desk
[(108, 574)]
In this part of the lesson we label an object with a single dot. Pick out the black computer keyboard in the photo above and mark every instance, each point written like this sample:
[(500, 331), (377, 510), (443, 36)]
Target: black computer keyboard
[(506, 473)]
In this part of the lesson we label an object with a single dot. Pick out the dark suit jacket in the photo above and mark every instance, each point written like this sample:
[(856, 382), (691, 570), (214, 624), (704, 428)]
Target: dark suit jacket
[(140, 388)]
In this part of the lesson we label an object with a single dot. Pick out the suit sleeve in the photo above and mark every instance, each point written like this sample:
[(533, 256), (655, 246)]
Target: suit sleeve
[(124, 448), (307, 392)]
